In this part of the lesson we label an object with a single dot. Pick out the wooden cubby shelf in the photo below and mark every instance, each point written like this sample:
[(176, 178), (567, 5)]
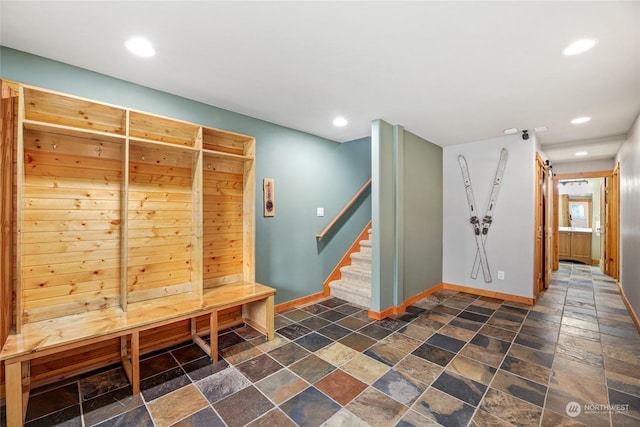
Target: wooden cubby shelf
[(132, 232), (148, 127), (64, 110), (117, 206)]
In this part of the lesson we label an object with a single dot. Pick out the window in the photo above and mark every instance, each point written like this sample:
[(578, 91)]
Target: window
[(577, 210)]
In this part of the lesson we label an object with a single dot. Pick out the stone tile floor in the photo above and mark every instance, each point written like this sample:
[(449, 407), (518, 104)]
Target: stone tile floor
[(453, 359)]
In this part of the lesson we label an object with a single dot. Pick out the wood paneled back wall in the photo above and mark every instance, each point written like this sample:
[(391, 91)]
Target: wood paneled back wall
[(70, 246)]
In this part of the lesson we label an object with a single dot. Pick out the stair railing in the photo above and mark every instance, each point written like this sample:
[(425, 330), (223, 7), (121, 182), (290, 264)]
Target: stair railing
[(346, 208)]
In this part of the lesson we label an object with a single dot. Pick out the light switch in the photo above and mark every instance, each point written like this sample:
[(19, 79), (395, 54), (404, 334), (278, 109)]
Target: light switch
[(320, 212)]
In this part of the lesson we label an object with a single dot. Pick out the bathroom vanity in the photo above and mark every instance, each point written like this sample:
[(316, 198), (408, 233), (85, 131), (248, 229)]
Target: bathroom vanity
[(574, 244)]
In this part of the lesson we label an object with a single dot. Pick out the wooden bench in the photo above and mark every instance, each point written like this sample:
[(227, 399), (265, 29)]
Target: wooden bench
[(47, 337)]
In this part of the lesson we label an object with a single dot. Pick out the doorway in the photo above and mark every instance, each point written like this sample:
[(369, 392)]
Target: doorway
[(586, 219)]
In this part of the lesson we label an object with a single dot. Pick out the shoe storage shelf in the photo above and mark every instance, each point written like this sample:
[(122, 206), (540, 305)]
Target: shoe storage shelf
[(115, 209), (117, 206)]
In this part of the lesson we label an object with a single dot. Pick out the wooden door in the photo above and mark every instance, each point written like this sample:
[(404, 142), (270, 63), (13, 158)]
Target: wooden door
[(613, 226), (554, 224), (539, 247), (549, 231), (604, 225)]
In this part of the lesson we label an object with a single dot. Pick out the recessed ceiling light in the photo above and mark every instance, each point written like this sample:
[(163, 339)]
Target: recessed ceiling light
[(510, 131), (581, 153), (579, 46), (580, 120), (340, 121), (140, 46), (541, 129)]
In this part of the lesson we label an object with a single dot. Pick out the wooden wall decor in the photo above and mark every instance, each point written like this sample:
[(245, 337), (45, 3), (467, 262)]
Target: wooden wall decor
[(268, 186)]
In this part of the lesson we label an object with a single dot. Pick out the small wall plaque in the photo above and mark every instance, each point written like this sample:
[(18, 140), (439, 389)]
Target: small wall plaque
[(268, 186)]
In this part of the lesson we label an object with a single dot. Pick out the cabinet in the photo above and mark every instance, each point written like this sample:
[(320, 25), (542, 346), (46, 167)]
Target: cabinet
[(117, 206), (575, 246)]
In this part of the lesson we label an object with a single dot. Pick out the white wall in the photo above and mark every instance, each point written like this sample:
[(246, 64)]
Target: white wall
[(629, 158), (584, 166), (510, 242)]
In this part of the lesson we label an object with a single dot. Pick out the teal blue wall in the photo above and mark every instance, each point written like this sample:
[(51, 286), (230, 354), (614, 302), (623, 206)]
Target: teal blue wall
[(309, 171), (407, 206), (384, 236)]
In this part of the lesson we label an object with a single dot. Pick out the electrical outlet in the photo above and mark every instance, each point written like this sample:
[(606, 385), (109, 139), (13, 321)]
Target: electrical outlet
[(320, 212), (500, 275)]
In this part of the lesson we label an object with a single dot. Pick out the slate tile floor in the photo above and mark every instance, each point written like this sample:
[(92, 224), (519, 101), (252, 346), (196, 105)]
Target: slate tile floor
[(451, 359)]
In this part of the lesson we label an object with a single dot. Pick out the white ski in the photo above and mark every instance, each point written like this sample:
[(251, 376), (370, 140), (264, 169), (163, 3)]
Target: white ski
[(488, 218), (475, 221)]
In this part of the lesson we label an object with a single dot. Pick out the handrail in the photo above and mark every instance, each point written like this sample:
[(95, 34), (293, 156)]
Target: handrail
[(346, 207)]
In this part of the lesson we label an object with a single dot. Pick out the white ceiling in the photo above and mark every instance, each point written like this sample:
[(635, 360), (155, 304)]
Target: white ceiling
[(451, 72)]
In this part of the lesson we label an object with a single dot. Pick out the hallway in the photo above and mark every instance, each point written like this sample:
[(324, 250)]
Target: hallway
[(452, 359)]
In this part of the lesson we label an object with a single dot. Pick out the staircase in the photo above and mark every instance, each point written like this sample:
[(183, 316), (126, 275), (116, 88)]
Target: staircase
[(354, 285)]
